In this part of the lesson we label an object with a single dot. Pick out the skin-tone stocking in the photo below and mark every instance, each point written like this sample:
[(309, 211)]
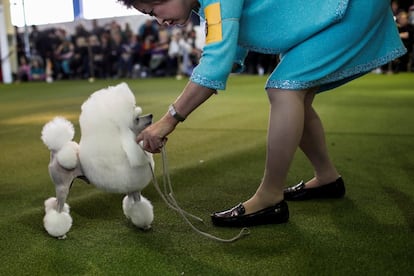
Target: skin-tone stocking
[(285, 130), (293, 122), (313, 144)]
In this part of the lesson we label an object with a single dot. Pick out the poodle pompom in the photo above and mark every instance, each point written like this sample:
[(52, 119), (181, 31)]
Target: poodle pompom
[(51, 203), (56, 133), (67, 156), (140, 212), (57, 224)]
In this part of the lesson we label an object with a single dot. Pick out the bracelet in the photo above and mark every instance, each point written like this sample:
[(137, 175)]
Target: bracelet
[(175, 114)]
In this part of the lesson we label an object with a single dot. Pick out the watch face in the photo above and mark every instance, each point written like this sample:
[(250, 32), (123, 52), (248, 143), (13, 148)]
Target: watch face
[(174, 113), (172, 110)]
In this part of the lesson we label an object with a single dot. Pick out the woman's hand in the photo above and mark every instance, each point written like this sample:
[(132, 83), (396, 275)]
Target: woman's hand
[(154, 137)]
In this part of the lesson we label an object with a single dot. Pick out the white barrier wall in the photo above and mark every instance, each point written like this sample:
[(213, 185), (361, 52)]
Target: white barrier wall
[(5, 53)]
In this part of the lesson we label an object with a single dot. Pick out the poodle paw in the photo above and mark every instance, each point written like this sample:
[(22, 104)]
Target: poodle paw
[(139, 212), (56, 224)]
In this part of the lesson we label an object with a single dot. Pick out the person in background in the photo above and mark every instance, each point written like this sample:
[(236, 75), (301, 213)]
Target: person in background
[(406, 31), (64, 55), (395, 6), (23, 73), (149, 28), (37, 69)]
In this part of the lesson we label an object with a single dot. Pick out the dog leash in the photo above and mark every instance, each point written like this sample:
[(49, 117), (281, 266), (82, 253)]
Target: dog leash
[(168, 197)]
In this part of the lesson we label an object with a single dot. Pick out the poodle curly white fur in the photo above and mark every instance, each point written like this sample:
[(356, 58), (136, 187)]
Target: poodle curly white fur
[(106, 156)]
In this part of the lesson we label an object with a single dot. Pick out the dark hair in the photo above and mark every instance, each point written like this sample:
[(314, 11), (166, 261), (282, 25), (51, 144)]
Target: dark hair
[(130, 3)]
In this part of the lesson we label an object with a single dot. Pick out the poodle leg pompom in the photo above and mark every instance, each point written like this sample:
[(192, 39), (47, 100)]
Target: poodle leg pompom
[(56, 224), (139, 212)]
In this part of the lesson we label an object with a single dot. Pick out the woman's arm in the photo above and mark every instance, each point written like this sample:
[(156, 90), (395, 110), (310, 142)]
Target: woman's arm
[(192, 96)]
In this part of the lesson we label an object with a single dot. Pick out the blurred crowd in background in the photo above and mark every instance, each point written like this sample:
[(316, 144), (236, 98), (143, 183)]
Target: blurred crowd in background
[(109, 51), (115, 51)]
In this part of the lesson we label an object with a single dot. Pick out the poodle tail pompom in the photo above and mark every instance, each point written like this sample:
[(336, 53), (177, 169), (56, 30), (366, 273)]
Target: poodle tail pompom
[(57, 224), (57, 132), (139, 212)]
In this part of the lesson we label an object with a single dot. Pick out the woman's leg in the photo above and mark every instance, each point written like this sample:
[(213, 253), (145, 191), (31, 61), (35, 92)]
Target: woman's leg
[(314, 146), (286, 121)]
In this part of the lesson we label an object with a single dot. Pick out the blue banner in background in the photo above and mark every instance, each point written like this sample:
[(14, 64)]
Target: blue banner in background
[(77, 9)]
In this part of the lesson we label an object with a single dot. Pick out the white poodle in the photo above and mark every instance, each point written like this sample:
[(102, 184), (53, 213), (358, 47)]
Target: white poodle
[(106, 156)]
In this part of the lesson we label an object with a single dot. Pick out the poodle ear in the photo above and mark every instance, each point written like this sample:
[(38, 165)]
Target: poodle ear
[(134, 153)]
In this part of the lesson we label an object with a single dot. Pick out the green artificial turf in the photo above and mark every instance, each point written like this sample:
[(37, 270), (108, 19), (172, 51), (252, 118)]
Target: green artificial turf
[(216, 160)]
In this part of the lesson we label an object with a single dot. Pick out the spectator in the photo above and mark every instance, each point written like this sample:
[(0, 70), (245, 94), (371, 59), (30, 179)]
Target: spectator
[(80, 31), (19, 44), (96, 29), (37, 69), (33, 38), (411, 14), (159, 53), (125, 58), (148, 29), (46, 45), (258, 63), (176, 52), (194, 53), (115, 31), (23, 73), (116, 51), (406, 31), (107, 61), (64, 55), (127, 32), (80, 61), (135, 46), (96, 57), (395, 6), (146, 50)]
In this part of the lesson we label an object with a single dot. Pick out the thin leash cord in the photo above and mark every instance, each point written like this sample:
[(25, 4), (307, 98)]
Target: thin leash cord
[(243, 232), (171, 202)]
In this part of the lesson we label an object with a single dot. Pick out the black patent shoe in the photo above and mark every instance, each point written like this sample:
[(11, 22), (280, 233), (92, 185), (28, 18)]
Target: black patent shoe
[(235, 217), (298, 192)]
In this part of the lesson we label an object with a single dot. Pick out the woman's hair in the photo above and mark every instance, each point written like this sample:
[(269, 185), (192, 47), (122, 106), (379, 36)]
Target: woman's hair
[(130, 3)]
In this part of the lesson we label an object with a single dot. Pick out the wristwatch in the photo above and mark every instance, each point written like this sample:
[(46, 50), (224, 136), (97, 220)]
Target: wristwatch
[(175, 114)]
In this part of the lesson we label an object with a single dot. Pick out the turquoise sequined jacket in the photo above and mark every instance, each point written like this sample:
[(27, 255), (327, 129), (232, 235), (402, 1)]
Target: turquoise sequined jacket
[(256, 25), (234, 27)]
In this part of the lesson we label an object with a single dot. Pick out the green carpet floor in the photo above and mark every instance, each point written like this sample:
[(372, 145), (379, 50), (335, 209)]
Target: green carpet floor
[(216, 160)]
